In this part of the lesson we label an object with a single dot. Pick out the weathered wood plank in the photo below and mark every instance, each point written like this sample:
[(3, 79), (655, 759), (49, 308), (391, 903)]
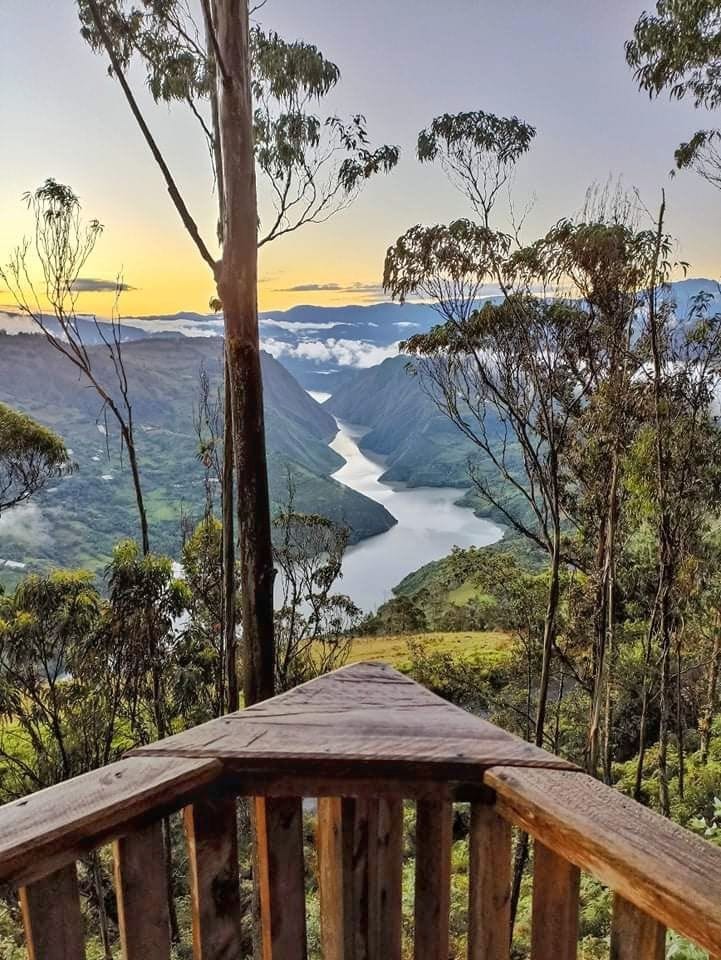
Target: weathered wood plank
[(211, 831), (279, 828), (140, 887), (51, 917), (664, 870), (334, 839), (390, 726), (635, 935), (360, 877), (433, 877), (52, 828), (281, 783), (489, 914), (364, 878), (554, 924), (389, 871)]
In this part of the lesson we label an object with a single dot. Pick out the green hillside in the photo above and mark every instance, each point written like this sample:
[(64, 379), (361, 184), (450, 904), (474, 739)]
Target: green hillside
[(421, 445), (77, 520)]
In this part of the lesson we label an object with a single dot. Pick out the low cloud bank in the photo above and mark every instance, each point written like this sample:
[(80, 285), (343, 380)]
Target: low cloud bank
[(343, 353)]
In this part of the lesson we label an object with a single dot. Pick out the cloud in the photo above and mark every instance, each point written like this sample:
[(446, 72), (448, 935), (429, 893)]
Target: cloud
[(297, 326), (93, 285), (359, 288), (405, 323), (343, 353), (26, 525), (310, 288)]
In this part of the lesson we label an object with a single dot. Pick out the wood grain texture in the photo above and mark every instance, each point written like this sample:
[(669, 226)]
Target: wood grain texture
[(141, 891), (211, 831), (47, 830), (334, 840), (360, 877), (489, 907), (664, 870), (433, 877), (279, 834), (389, 726), (51, 917), (389, 869), (635, 935), (554, 923)]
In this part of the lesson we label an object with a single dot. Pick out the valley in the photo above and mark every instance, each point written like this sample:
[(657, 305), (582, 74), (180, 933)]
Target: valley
[(430, 523)]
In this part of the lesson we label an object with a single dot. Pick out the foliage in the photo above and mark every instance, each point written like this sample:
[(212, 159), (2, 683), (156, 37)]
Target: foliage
[(478, 151), (30, 455), (676, 49), (313, 625), (310, 165)]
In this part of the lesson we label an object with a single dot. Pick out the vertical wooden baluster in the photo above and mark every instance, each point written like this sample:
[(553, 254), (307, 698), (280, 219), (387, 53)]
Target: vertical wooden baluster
[(360, 878), (335, 860), (389, 870), (141, 890), (554, 930), (279, 826), (489, 912), (52, 919), (433, 877), (635, 935), (211, 831), (364, 878)]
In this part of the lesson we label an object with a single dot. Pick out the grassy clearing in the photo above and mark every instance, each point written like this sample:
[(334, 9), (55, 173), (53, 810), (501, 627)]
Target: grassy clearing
[(490, 647)]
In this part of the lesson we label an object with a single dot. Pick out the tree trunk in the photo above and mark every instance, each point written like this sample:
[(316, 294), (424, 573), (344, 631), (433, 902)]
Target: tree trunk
[(644, 713), (608, 616), (664, 713), (549, 634), (599, 651), (129, 438), (229, 612), (102, 912), (711, 694), (680, 739), (237, 288)]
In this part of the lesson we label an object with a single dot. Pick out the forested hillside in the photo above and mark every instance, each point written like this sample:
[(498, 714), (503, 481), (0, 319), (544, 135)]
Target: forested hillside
[(79, 518), (420, 446)]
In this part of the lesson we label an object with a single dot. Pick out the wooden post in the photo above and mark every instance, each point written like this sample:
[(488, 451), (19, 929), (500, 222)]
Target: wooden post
[(141, 890), (433, 877), (52, 919), (281, 877), (489, 913), (635, 935), (554, 930), (211, 828)]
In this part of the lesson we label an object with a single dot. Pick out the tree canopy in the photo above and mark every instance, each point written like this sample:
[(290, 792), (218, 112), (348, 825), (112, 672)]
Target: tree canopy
[(30, 455)]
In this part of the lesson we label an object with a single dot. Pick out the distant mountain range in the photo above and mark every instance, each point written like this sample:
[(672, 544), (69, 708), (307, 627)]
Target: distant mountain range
[(320, 345), (349, 353)]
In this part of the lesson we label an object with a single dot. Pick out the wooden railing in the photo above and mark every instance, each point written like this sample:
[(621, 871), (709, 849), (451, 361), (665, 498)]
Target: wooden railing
[(360, 741)]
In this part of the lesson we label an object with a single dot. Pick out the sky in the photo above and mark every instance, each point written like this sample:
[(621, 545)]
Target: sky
[(559, 64)]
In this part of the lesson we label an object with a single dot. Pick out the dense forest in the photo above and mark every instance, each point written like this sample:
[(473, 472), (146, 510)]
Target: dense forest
[(565, 381)]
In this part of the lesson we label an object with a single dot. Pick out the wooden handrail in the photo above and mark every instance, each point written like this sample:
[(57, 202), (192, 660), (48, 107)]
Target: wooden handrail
[(363, 738), (51, 828), (666, 871)]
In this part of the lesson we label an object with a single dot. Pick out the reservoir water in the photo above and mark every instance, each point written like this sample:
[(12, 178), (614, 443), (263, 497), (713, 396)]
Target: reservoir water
[(429, 525)]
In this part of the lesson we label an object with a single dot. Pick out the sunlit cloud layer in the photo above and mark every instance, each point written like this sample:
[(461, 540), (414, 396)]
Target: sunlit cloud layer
[(343, 353)]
